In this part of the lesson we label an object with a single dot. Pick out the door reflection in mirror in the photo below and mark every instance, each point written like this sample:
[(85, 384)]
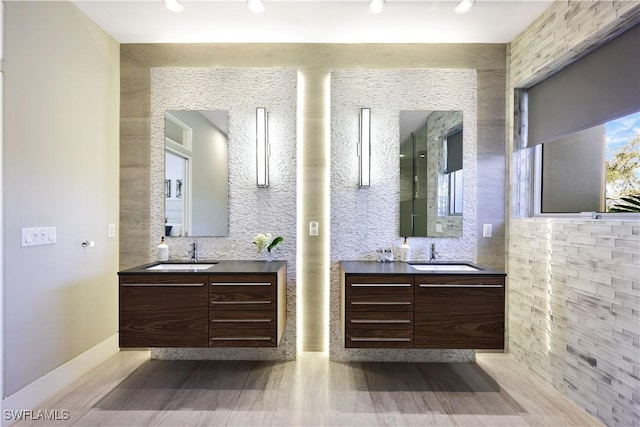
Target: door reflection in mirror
[(196, 162)]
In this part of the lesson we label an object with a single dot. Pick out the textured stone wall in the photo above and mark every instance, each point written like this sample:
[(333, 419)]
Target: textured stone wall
[(574, 284), (365, 219), (252, 210), (574, 310)]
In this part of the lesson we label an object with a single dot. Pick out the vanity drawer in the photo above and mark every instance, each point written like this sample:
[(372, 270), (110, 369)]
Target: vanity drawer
[(228, 287), (399, 284), (241, 337), (380, 320), (244, 320), (379, 293), (240, 283), (379, 305), (379, 338), (249, 301)]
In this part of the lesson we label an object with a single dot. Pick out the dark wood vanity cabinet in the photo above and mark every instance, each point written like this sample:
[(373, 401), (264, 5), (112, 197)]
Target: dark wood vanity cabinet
[(243, 311), (163, 310), (459, 311), (242, 304), (425, 311), (378, 311)]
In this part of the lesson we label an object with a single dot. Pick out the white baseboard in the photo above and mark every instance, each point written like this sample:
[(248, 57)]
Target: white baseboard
[(29, 397)]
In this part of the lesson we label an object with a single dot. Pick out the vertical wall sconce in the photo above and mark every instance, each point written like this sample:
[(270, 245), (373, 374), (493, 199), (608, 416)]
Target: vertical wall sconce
[(262, 147), (364, 148)]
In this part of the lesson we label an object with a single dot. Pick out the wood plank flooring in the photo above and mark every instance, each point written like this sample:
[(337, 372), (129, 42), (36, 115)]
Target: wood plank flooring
[(132, 390)]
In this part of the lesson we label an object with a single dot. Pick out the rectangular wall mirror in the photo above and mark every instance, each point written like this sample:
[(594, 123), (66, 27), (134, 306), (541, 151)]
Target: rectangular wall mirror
[(431, 195), (196, 173)]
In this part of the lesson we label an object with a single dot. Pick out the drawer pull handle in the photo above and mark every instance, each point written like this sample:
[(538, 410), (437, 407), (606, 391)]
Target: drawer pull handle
[(242, 339), (452, 285), (241, 321), (381, 321), (372, 339), (380, 303), (380, 285), (240, 302), (162, 284), (241, 284)]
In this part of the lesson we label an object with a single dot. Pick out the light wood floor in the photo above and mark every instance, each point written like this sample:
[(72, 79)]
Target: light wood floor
[(132, 390)]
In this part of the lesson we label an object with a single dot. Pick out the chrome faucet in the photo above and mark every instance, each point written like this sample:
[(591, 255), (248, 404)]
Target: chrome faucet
[(194, 252), (434, 254)]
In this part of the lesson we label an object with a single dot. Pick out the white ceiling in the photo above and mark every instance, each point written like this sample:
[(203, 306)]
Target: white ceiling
[(312, 21)]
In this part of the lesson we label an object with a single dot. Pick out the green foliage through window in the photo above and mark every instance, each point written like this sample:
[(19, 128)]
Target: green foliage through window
[(623, 164)]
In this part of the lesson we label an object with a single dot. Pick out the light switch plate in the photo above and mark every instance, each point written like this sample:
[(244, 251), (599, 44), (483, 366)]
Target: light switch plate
[(37, 236), (313, 228), (487, 230), (111, 230)]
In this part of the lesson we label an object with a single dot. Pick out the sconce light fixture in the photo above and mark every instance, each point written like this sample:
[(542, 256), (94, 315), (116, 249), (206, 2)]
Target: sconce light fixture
[(262, 147), (376, 6), (173, 5), (364, 147), (256, 6), (464, 6)]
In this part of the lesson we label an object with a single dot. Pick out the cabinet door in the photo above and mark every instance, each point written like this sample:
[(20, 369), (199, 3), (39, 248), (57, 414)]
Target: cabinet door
[(379, 311), (164, 310), (463, 312)]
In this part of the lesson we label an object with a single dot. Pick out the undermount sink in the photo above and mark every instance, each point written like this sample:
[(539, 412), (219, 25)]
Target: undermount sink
[(179, 266), (445, 267)]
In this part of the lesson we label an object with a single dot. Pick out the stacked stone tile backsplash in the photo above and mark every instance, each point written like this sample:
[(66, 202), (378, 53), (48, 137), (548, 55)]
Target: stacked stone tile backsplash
[(574, 304)]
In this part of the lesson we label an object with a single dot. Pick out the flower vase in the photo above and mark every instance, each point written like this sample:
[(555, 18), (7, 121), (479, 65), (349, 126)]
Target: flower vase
[(268, 256)]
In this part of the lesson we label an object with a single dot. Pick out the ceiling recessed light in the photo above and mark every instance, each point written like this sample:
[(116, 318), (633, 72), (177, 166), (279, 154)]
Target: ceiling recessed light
[(173, 5), (464, 6), (256, 6), (376, 6)]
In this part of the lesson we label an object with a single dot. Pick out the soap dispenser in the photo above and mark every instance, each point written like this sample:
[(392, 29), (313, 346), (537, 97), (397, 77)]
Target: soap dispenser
[(405, 251), (163, 251)]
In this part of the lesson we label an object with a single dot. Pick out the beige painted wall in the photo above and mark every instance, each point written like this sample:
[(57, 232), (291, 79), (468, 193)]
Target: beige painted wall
[(314, 63), (61, 157)]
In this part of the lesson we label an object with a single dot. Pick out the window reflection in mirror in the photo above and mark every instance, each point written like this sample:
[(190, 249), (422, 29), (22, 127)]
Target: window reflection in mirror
[(196, 173), (431, 191)]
